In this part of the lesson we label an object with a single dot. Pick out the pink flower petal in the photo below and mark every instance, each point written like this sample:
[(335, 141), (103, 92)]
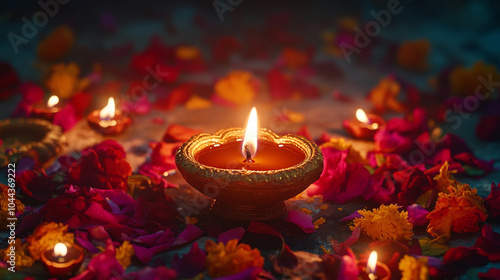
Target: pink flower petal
[(301, 219), (96, 212), (191, 264), (190, 233), (234, 233), (417, 215), (351, 217)]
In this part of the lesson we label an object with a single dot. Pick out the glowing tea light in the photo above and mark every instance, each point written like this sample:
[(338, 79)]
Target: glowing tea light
[(249, 146), (361, 116), (53, 101), (364, 126), (371, 266), (47, 110), (107, 114), (60, 251)]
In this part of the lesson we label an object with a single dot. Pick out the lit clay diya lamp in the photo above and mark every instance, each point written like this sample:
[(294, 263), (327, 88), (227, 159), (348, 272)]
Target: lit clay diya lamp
[(249, 173), (109, 121), (47, 110), (63, 259), (372, 269), (364, 126)]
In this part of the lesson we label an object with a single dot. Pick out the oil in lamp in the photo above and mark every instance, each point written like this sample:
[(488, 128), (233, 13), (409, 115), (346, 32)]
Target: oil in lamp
[(249, 172)]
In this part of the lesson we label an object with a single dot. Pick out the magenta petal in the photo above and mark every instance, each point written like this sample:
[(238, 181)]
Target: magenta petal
[(250, 273), (149, 239), (351, 217), (191, 264), (342, 248), (96, 212), (234, 233), (263, 228), (149, 273), (301, 219), (190, 233), (143, 254), (417, 215), (82, 239)]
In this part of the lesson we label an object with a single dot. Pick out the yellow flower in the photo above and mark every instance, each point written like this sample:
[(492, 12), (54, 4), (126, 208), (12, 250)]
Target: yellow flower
[(385, 223), (4, 206), (238, 87), (64, 80), (231, 258), (195, 103), (48, 235), (124, 254), (22, 259), (460, 210), (414, 269), (464, 82), (191, 220)]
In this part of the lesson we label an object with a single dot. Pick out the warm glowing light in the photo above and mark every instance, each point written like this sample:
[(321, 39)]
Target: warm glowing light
[(53, 100), (108, 112), (60, 250), (250, 140), (361, 116), (372, 263)]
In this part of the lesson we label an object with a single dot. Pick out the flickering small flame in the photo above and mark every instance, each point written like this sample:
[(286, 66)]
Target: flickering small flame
[(60, 250), (372, 262), (108, 112), (362, 117), (249, 146), (53, 100)]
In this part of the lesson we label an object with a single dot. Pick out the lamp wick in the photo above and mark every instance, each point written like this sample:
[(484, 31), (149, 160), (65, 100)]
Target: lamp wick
[(248, 154)]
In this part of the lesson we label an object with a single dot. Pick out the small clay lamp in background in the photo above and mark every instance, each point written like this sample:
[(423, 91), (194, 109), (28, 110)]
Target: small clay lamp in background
[(48, 110), (63, 259), (109, 121), (364, 126), (373, 270)]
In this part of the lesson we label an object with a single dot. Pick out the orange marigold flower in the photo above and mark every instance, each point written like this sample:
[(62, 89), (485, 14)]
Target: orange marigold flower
[(64, 81), (238, 87), (385, 223), (412, 55), (414, 269), (57, 44), (22, 258), (384, 95), (463, 82), (460, 210), (47, 235), (4, 203), (445, 178), (231, 258)]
